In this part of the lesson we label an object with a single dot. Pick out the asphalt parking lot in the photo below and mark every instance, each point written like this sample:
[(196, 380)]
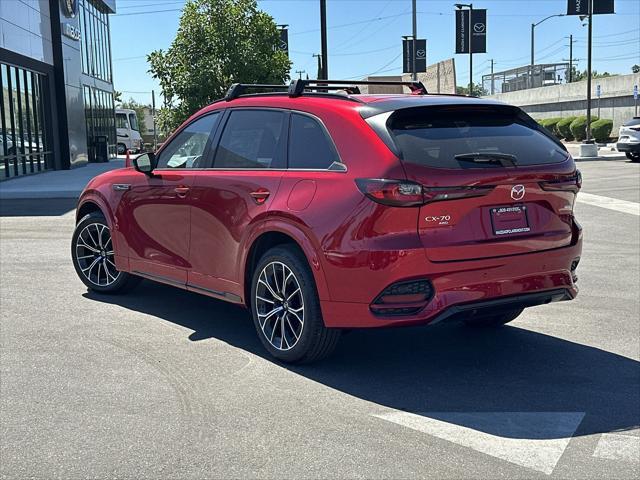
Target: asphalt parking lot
[(163, 383)]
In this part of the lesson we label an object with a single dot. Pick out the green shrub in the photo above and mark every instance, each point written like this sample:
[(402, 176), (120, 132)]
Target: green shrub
[(550, 124), (579, 127), (563, 128), (601, 130)]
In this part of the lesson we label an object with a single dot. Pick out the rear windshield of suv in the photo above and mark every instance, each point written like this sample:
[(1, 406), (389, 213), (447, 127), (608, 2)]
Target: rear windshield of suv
[(434, 136)]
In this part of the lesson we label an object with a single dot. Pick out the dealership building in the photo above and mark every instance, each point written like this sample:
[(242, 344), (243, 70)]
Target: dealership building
[(56, 102)]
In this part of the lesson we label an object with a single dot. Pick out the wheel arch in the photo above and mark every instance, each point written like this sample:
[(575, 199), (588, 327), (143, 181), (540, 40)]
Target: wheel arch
[(271, 236)]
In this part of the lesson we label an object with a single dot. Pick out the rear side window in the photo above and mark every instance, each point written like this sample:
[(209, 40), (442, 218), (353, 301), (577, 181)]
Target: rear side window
[(252, 139), (433, 137), (309, 145)]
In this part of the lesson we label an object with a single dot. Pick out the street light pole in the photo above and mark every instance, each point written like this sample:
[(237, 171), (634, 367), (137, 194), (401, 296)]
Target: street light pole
[(323, 39), (533, 41), (589, 45), (414, 73)]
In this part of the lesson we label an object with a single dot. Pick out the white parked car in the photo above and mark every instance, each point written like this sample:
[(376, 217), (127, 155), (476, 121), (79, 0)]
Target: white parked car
[(128, 131), (629, 139)]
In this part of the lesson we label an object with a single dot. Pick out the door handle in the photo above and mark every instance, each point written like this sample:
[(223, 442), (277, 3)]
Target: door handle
[(260, 196), (181, 191)]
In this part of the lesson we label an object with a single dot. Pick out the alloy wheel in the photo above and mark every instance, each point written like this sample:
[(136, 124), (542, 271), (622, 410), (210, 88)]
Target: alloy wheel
[(94, 254), (279, 305)]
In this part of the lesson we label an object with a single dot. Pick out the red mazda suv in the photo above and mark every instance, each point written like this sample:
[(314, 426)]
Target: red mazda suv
[(320, 209)]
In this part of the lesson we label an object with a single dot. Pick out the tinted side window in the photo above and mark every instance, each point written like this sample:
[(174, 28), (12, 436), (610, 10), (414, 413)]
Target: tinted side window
[(309, 146), (251, 139), (186, 150)]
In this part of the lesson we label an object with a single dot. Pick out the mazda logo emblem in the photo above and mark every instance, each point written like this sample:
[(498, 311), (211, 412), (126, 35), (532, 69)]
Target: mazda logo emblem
[(69, 8), (517, 192), (479, 27)]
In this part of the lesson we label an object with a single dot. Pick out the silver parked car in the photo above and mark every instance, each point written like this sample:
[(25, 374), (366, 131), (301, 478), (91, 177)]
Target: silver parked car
[(629, 139)]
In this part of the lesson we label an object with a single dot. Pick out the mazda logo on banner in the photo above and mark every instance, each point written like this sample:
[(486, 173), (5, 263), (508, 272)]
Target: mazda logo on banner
[(283, 45), (474, 31), (581, 7), (407, 54)]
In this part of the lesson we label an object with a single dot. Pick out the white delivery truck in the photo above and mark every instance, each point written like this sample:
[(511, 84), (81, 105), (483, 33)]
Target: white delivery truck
[(128, 131)]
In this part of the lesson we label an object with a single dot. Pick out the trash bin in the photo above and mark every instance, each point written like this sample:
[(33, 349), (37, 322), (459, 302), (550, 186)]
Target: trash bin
[(101, 148)]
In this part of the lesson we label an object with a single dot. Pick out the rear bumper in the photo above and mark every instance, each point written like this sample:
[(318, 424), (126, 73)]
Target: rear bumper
[(460, 287), (628, 147)]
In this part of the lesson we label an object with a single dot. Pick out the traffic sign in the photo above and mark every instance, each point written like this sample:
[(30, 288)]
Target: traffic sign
[(598, 91), (635, 92)]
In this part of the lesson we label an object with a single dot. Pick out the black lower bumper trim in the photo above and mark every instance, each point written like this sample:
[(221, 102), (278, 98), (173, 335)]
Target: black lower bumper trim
[(497, 305)]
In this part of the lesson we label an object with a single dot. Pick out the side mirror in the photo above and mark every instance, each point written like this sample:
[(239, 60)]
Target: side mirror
[(145, 163)]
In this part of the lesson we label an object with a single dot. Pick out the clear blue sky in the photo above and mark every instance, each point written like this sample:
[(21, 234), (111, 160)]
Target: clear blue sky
[(364, 36)]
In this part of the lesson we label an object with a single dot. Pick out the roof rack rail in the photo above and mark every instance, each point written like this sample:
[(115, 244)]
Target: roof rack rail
[(297, 87), (237, 89)]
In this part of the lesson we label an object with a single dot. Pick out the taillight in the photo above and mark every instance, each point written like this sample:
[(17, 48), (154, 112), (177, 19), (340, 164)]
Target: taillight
[(395, 193), (567, 184), (405, 193)]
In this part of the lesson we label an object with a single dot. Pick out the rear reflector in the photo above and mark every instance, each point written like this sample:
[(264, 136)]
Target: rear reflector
[(404, 193)]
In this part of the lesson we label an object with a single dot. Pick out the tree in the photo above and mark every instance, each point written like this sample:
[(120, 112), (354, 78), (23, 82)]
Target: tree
[(139, 109), (117, 96), (578, 76), (219, 42), (478, 90), (635, 69)]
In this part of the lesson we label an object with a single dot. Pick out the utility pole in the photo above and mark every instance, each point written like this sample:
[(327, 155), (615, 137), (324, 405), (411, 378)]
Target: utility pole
[(570, 58), (323, 39), (589, 48), (414, 74), (300, 72), (319, 57), (492, 80)]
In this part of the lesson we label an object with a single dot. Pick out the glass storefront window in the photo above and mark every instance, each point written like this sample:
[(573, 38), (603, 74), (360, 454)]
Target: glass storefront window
[(94, 43), (23, 141), (100, 118)]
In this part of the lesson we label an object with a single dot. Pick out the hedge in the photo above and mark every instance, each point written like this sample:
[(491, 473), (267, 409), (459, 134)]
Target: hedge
[(579, 127), (601, 130), (550, 124), (563, 128)]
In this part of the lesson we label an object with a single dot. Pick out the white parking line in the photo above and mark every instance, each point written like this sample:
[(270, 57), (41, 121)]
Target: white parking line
[(611, 203), (534, 440), (614, 446)]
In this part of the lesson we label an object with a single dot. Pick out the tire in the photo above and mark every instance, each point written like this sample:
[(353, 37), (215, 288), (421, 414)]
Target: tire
[(121, 148), (495, 320), (299, 334), (92, 259), (633, 156)]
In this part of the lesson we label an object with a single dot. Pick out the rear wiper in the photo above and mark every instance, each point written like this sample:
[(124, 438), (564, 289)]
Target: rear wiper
[(504, 159)]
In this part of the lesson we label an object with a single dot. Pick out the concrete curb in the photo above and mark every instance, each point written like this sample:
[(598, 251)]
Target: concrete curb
[(601, 158)]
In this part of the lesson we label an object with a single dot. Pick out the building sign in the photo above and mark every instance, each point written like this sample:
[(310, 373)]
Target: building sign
[(71, 31), (283, 45), (69, 8), (474, 31), (581, 7), (407, 55)]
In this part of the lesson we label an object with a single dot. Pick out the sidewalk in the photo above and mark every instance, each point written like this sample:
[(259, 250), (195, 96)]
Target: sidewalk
[(56, 183), (605, 152)]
